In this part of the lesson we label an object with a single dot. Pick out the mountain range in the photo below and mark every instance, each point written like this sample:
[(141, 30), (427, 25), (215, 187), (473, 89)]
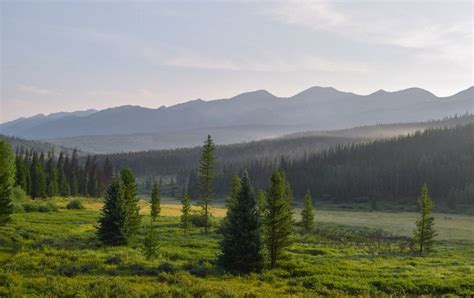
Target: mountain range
[(245, 117)]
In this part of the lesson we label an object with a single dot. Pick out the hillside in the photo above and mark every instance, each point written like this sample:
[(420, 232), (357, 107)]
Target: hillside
[(384, 170), (37, 146), (248, 116), (293, 146)]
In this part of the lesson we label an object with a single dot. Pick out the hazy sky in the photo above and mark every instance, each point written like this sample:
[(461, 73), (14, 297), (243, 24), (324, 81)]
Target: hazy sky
[(65, 56)]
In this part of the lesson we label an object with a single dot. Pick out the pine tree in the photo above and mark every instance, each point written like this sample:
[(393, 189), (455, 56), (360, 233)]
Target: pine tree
[(21, 176), (113, 221), (278, 217), (261, 202), (63, 186), (155, 201), (74, 174), (234, 191), (424, 232), (52, 177), (131, 200), (206, 179), (150, 243), (7, 179), (307, 214), (38, 177), (185, 212), (242, 243)]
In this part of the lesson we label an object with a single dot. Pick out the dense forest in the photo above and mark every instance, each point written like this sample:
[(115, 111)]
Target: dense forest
[(41, 175), (380, 170), (294, 146)]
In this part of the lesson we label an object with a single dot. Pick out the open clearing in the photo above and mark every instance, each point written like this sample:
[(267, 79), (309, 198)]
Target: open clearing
[(57, 254)]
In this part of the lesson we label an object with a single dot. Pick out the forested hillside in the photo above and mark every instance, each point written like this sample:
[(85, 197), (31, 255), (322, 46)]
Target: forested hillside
[(37, 146), (382, 170)]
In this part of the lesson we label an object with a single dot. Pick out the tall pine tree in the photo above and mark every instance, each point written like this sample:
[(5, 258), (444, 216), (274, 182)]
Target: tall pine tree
[(307, 214), (131, 199), (206, 179), (155, 201), (242, 243), (278, 217), (424, 232), (7, 179), (186, 212)]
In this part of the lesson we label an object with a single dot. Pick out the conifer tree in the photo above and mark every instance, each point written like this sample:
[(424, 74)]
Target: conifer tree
[(63, 186), (41, 174), (206, 179), (155, 201), (21, 176), (131, 200), (278, 217), (234, 191), (113, 221), (242, 243), (52, 178), (424, 232), (261, 202), (150, 243), (185, 212), (74, 174), (307, 214), (7, 179)]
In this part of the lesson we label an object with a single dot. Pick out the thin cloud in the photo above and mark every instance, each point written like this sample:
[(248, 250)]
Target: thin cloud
[(265, 62), (37, 90), (449, 38)]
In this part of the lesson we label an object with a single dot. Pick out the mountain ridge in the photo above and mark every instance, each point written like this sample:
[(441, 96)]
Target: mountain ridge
[(316, 108)]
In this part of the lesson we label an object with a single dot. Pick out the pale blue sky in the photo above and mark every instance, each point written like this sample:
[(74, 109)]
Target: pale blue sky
[(65, 56)]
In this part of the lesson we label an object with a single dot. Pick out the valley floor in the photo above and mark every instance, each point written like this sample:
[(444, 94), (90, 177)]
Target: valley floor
[(57, 254)]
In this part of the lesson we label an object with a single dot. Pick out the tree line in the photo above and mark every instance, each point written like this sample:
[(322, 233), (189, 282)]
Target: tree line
[(43, 175), (382, 170)]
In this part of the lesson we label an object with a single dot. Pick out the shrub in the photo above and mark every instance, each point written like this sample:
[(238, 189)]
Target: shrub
[(75, 204), (167, 267), (114, 260), (40, 206), (198, 220)]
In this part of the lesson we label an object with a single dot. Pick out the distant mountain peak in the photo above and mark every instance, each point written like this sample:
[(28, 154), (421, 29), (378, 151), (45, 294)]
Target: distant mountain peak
[(261, 93)]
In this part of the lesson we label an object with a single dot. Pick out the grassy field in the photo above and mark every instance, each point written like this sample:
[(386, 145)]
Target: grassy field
[(56, 254)]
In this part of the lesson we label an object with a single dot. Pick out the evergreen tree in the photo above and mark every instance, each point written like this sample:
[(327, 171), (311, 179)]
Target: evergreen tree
[(74, 174), (261, 202), (107, 173), (206, 179), (424, 232), (52, 178), (131, 200), (63, 186), (186, 212), (21, 177), (38, 177), (7, 179), (113, 221), (242, 243), (234, 191), (307, 214), (278, 217), (150, 243), (155, 201)]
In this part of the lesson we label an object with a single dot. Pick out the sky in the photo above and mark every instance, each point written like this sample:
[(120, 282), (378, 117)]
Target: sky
[(77, 55)]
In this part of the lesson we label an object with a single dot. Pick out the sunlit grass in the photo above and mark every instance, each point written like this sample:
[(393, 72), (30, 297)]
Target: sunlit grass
[(57, 254)]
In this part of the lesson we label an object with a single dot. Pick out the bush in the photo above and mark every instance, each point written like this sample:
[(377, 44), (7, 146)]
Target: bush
[(40, 206), (167, 267), (18, 197), (75, 204), (197, 220)]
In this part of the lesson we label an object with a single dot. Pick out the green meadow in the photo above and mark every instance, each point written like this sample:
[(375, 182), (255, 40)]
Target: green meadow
[(57, 254)]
